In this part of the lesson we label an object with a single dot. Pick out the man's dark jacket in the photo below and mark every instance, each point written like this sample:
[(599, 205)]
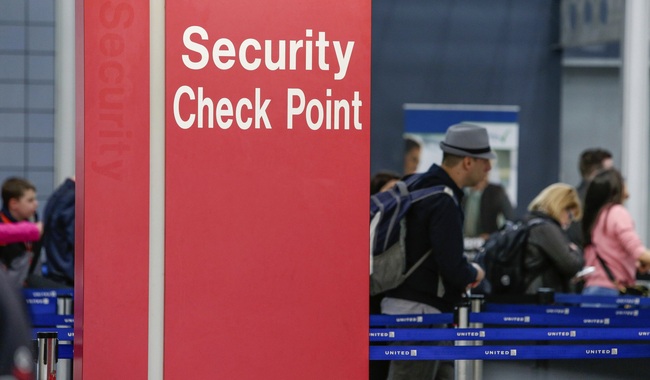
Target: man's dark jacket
[(58, 237), (436, 223)]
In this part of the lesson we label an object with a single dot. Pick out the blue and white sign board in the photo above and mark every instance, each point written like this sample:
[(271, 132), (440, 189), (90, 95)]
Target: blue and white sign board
[(427, 124)]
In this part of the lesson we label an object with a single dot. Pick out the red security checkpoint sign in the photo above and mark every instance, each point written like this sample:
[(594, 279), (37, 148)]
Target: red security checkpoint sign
[(267, 166)]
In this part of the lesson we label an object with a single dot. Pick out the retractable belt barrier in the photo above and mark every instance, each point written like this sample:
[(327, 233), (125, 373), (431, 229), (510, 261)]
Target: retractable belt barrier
[(519, 334), (621, 330), (51, 315), (514, 352)]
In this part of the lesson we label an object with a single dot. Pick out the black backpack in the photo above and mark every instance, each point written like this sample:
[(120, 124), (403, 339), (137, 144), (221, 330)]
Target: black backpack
[(388, 230), (502, 258)]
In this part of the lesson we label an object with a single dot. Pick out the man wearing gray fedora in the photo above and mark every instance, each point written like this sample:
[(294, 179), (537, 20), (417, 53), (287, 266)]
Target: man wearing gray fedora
[(436, 224)]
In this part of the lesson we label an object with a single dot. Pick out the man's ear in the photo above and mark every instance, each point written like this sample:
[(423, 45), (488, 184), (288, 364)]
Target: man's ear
[(12, 203), (467, 162)]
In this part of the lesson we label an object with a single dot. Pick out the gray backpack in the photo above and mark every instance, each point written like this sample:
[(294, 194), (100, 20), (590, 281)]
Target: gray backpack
[(388, 231)]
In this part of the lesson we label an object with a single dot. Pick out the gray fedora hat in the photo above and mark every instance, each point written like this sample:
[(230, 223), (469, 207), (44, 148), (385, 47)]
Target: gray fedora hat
[(467, 140)]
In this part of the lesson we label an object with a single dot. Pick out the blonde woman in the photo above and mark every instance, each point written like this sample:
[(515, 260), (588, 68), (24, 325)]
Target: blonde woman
[(551, 260)]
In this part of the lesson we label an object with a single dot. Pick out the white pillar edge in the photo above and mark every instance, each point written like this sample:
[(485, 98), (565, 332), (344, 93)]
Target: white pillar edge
[(635, 111), (64, 91), (157, 190)]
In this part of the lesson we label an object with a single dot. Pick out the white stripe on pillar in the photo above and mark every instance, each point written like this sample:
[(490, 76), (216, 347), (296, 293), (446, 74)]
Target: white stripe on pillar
[(635, 111), (157, 190), (64, 88)]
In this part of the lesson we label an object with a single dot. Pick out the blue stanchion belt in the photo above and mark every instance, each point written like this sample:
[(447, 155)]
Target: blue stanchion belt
[(569, 310), (519, 334), (40, 320), (63, 333), (410, 320), (622, 300), (445, 318), (587, 351), (541, 317), (65, 351), (532, 319), (52, 293)]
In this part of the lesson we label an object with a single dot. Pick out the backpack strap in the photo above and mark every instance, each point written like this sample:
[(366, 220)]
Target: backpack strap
[(420, 194)]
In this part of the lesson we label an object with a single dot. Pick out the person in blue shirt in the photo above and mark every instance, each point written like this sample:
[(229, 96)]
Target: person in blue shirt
[(58, 236)]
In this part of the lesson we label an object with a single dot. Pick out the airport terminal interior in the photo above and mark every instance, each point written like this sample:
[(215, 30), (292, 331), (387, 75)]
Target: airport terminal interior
[(558, 65)]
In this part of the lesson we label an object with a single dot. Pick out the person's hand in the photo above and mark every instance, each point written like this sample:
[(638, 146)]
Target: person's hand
[(480, 274), (642, 267), (39, 225)]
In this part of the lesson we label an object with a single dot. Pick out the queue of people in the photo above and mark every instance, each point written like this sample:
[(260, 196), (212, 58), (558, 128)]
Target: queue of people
[(21, 265), (578, 227)]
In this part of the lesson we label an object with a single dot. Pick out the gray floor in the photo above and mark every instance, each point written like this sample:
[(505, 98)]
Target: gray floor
[(568, 369)]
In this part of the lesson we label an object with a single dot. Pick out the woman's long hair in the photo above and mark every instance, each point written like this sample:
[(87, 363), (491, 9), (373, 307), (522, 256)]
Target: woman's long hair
[(605, 189)]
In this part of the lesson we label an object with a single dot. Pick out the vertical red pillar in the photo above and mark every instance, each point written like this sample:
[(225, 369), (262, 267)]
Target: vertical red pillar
[(267, 172), (267, 113), (111, 287)]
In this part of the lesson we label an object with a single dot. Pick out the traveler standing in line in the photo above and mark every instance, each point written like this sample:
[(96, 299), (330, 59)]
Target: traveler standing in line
[(21, 260), (412, 151), (551, 260), (380, 181), (58, 239), (591, 162), (436, 224), (609, 235), (19, 204), (487, 208)]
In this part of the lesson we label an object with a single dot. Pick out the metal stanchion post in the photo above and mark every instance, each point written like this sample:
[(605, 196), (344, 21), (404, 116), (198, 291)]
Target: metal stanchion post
[(477, 305), (64, 306), (462, 367), (545, 296), (47, 356)]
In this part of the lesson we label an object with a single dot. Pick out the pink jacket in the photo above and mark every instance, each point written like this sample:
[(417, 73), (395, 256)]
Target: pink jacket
[(617, 243), (18, 232)]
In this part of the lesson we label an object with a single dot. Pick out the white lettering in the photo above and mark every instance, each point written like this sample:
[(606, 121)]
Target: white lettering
[(251, 54), (195, 47), (224, 109), (561, 333), (315, 114), (243, 124), (597, 321), (223, 112), (557, 311), (43, 294), (398, 353), (343, 58), (248, 65), (294, 110), (228, 51), (183, 123), (203, 103), (268, 56)]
